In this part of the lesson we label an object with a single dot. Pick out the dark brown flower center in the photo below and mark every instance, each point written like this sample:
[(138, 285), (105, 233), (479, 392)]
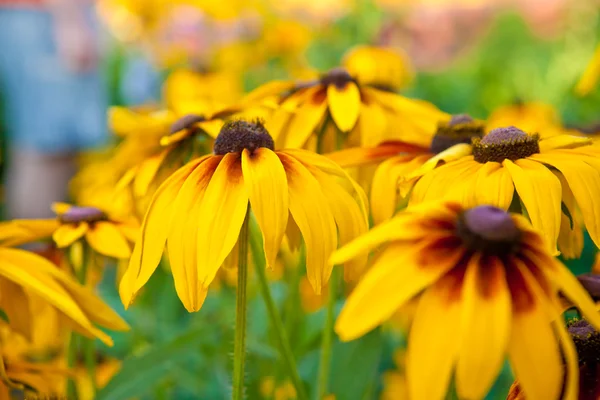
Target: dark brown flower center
[(235, 136), (186, 122), (460, 129), (508, 143), (82, 214), (337, 76), (489, 230)]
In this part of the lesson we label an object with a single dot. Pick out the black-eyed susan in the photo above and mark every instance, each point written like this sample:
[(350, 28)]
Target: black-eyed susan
[(392, 179), (25, 275), (487, 288), (550, 180), (367, 115), (198, 212), (108, 236)]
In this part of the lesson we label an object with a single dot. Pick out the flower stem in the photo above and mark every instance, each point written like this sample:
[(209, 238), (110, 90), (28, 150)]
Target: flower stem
[(71, 361), (239, 346), (327, 339), (282, 337)]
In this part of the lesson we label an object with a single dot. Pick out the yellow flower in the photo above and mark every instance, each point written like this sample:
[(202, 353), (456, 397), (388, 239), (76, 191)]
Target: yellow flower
[(590, 76), (109, 237), (532, 117), (198, 211), (394, 381), (25, 276), (393, 178), (379, 67), (367, 115), (547, 175), (487, 288)]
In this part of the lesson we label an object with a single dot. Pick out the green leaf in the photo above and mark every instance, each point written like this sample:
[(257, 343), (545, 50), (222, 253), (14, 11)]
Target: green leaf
[(141, 374)]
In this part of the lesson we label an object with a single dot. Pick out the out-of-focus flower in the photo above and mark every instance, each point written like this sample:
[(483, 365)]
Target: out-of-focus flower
[(199, 210), (545, 175), (533, 117), (270, 389), (394, 381), (589, 79), (487, 288), (392, 180), (309, 300)]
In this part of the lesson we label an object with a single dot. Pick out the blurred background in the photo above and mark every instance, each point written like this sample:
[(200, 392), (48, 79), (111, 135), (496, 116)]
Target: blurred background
[(64, 62)]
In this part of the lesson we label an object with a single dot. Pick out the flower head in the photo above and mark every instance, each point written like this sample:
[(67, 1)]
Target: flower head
[(551, 180), (487, 288), (198, 211)]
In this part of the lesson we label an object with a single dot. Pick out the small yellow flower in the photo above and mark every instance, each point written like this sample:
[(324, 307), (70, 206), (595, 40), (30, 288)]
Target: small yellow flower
[(589, 79), (198, 211), (487, 288)]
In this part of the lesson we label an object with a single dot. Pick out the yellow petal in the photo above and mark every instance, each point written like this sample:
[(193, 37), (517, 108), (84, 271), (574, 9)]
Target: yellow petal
[(183, 235), (212, 127), (590, 76), (453, 153), (221, 215), (311, 212), (306, 119), (395, 277), (372, 123), (268, 89), (20, 231), (572, 361), (358, 156), (149, 247), (67, 234), (106, 239), (433, 341), (584, 182), (147, 171), (486, 320), (563, 142), (15, 303), (570, 238), (267, 188), (344, 105), (540, 192), (440, 182), (494, 186), (60, 208)]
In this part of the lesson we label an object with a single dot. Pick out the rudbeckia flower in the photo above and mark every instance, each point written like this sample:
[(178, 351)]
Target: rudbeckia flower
[(529, 117), (198, 211), (105, 235), (392, 180), (26, 277), (487, 288), (540, 176), (362, 112)]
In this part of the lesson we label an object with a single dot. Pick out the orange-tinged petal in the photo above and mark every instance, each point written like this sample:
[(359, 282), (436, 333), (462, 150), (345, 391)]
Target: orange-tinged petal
[(540, 192), (397, 275), (486, 324), (344, 105), (311, 212), (67, 234), (107, 239), (149, 247), (306, 119), (433, 341), (267, 188), (357, 156), (221, 216)]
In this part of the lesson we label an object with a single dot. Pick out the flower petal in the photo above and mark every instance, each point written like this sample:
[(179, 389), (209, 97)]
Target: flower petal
[(562, 142), (494, 186), (311, 212), (19, 231), (439, 183), (358, 156), (434, 340), (67, 234), (540, 192), (306, 119), (267, 188), (15, 303), (147, 171), (372, 123), (221, 216), (344, 105), (107, 239), (486, 320)]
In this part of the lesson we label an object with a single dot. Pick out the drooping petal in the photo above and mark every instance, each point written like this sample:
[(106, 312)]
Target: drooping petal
[(311, 212), (15, 303), (106, 239), (486, 320), (344, 105), (540, 192), (358, 156), (147, 171), (267, 188), (149, 247), (437, 184), (306, 118), (183, 236), (398, 274), (494, 186), (372, 123), (67, 234), (434, 340), (570, 238), (571, 388), (221, 215)]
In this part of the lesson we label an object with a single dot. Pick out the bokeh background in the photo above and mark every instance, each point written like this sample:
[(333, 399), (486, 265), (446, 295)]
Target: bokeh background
[(481, 57)]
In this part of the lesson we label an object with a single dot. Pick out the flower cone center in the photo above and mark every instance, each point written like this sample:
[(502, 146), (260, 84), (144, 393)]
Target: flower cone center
[(505, 143), (83, 214), (235, 136), (460, 129), (488, 229), (337, 76)]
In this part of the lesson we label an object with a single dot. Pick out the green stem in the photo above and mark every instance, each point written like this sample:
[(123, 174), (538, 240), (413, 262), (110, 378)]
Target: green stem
[(280, 333), (327, 339), (239, 346)]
